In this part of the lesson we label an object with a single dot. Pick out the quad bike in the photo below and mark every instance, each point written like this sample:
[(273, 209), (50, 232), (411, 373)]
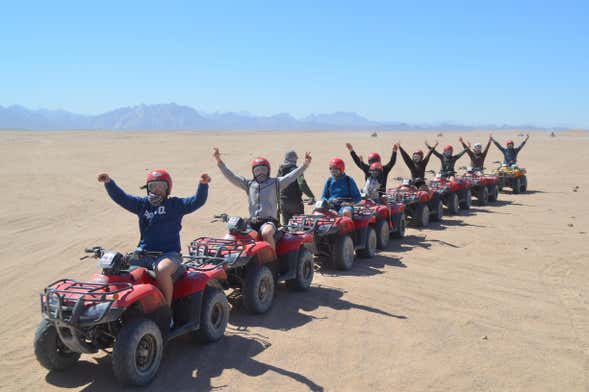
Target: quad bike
[(455, 192), (483, 186), (390, 219), (422, 203), (253, 267), (512, 177), (336, 238), (123, 312)]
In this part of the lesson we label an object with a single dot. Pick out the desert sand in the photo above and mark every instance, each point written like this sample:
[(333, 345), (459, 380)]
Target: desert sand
[(495, 299)]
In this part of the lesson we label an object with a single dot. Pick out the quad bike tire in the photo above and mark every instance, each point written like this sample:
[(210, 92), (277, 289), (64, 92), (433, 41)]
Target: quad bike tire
[(259, 289), (524, 185), (453, 203), (467, 202), (50, 351), (137, 353), (369, 249), (402, 225), (438, 211), (305, 271), (422, 215), (483, 196), (493, 191), (214, 316), (516, 186), (383, 234), (343, 252)]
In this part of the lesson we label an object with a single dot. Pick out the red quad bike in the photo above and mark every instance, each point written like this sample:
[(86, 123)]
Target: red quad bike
[(336, 237), (421, 204), (122, 311), (253, 268), (456, 194), (485, 187), (390, 220)]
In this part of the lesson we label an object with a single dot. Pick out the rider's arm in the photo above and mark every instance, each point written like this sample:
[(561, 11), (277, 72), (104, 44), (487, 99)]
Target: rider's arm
[(406, 158), (233, 178), (428, 156), (391, 163), (356, 196), (193, 203), (363, 166), (522, 145), (128, 202), (304, 187), (499, 146), (486, 149), (436, 153), (326, 189), (288, 179), (460, 154)]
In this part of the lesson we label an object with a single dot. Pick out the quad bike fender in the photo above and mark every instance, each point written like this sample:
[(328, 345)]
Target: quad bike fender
[(292, 242), (147, 295), (345, 224), (423, 196), (195, 281), (263, 252)]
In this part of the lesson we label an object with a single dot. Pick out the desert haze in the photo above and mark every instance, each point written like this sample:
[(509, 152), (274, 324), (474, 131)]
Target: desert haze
[(495, 299)]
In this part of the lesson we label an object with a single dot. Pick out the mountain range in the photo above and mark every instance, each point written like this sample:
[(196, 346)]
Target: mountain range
[(178, 117)]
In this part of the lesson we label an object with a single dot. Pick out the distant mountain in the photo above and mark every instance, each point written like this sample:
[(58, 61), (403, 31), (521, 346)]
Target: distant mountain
[(177, 117)]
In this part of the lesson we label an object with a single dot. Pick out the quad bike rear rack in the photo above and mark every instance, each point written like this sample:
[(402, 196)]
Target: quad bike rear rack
[(214, 252)]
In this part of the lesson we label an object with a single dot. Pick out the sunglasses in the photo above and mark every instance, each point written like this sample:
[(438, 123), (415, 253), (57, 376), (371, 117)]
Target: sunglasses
[(261, 171), (154, 186)]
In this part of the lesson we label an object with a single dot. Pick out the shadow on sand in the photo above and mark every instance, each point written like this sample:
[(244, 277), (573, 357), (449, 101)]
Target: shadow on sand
[(186, 366)]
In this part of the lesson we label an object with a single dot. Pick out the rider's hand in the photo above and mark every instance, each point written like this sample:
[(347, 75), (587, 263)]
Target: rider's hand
[(349, 147), (103, 177), (308, 159), (527, 136), (395, 147), (216, 154), (205, 178), (460, 139)]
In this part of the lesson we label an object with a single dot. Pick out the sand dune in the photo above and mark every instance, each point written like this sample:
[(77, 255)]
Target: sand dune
[(495, 299)]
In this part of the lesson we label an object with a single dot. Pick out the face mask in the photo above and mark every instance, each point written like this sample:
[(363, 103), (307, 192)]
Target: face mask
[(416, 158), (335, 172), (154, 200), (510, 146), (375, 174), (447, 154)]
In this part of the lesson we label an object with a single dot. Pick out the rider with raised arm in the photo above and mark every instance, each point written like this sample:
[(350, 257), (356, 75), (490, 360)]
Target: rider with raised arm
[(448, 160), (160, 222), (509, 152), (291, 201), (263, 192), (374, 157), (417, 163), (477, 154), (340, 189)]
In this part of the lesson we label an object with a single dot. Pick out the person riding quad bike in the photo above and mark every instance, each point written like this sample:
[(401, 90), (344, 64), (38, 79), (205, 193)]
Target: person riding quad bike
[(509, 152), (477, 154), (448, 160), (160, 221), (263, 192), (417, 163), (374, 157), (291, 202), (372, 188), (340, 186)]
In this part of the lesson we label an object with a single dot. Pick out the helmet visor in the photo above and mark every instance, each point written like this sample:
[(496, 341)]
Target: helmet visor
[(157, 186)]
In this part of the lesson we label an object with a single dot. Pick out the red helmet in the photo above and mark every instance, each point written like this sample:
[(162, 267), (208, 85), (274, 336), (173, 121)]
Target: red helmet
[(160, 175), (373, 157), (448, 148), (418, 152), (261, 161), (508, 142), (338, 163), (375, 166)]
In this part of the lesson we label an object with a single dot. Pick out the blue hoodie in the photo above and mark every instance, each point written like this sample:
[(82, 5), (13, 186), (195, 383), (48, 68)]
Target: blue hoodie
[(343, 187), (159, 226)]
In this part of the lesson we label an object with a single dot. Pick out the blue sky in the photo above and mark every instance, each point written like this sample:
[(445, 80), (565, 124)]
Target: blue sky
[(470, 62)]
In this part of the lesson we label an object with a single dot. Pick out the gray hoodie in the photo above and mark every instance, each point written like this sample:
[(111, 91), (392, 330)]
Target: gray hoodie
[(262, 197)]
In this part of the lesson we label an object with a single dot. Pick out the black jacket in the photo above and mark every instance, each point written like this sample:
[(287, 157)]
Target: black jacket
[(385, 168)]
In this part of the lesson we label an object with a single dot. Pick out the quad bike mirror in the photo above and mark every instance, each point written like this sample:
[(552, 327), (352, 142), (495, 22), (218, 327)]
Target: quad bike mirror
[(236, 224), (111, 263)]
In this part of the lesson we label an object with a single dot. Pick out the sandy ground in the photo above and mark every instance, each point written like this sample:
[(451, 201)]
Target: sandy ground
[(495, 299)]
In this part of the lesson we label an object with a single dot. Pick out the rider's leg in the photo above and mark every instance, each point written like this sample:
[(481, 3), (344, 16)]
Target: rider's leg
[(164, 271), (268, 231)]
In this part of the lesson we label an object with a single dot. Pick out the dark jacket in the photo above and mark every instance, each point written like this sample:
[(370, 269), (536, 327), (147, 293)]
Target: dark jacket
[(385, 168), (448, 163), (417, 169), (292, 194), (510, 154), (477, 161)]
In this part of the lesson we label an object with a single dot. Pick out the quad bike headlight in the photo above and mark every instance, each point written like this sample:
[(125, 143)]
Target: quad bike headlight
[(53, 304), (95, 312)]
